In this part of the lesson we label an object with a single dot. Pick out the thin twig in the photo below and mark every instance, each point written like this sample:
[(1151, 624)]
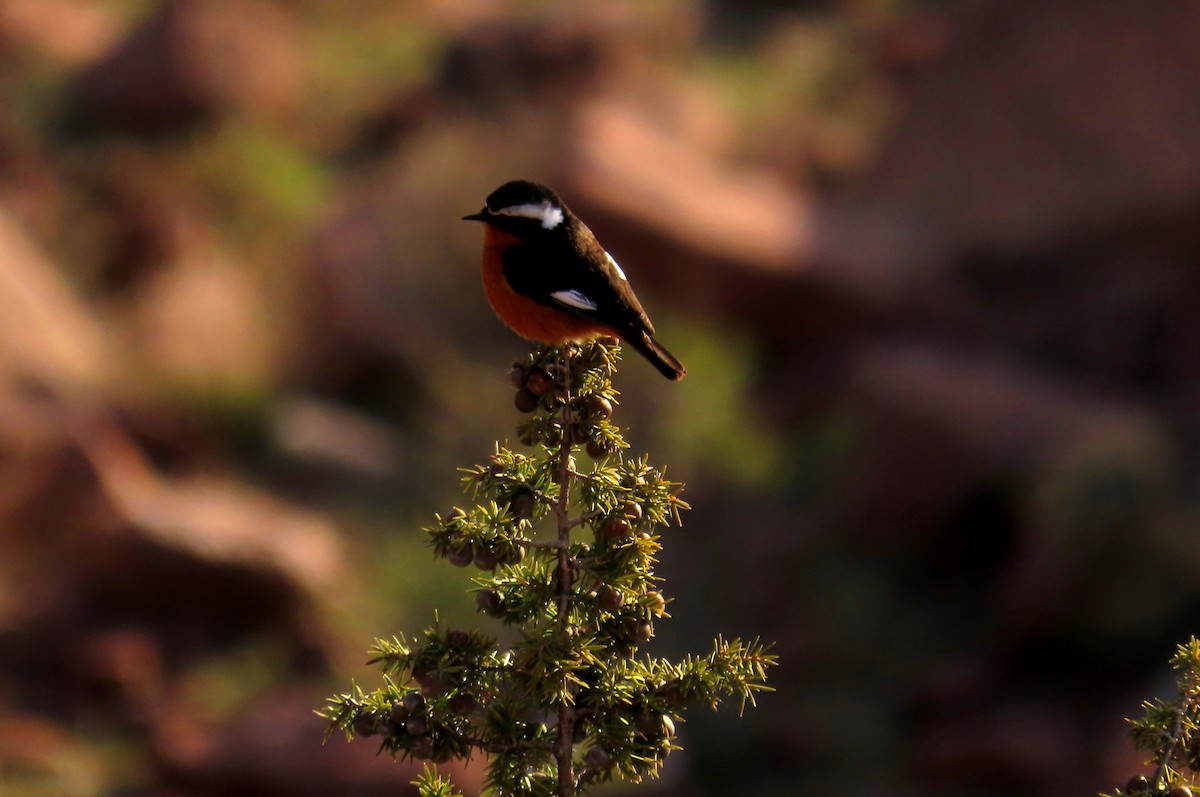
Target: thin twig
[(553, 545), (540, 495), (579, 521), (1173, 740)]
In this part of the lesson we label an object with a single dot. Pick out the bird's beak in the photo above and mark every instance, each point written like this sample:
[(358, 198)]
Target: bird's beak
[(480, 216)]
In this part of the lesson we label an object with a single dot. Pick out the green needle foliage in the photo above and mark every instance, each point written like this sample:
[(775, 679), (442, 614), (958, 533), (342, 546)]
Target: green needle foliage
[(1169, 732), (567, 556)]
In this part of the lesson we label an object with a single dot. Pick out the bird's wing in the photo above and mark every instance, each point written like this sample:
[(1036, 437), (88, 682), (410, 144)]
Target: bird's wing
[(576, 275)]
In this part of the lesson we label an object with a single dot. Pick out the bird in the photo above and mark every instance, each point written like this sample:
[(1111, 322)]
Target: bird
[(550, 281)]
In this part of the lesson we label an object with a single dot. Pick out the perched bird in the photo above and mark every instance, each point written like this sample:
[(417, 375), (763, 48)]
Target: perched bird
[(550, 280)]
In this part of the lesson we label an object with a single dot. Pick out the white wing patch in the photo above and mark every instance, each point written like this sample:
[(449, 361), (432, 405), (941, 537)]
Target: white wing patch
[(613, 263), (547, 214), (574, 298)]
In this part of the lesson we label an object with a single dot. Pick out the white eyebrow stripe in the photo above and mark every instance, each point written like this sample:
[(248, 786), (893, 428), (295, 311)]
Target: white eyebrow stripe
[(547, 214), (574, 298), (613, 261)]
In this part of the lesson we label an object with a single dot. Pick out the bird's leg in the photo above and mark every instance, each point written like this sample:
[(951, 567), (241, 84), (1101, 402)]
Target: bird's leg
[(541, 355), (522, 372), (555, 370)]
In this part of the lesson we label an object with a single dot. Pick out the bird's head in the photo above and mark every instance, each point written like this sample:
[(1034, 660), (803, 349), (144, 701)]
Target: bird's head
[(523, 208)]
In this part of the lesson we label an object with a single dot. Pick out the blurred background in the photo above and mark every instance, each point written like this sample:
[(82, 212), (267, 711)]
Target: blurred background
[(932, 267)]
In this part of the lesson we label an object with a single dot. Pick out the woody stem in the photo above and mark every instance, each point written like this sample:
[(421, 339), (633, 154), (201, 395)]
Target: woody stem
[(566, 724)]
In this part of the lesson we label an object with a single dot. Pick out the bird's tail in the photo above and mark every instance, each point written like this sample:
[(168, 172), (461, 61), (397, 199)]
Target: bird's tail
[(667, 364)]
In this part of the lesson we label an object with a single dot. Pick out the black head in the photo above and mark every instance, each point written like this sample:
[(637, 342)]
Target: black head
[(522, 206)]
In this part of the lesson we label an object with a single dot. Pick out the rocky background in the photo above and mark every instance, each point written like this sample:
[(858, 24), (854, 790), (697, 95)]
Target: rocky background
[(932, 266)]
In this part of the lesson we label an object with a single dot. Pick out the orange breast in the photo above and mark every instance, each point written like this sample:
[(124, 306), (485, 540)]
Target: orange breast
[(529, 319)]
